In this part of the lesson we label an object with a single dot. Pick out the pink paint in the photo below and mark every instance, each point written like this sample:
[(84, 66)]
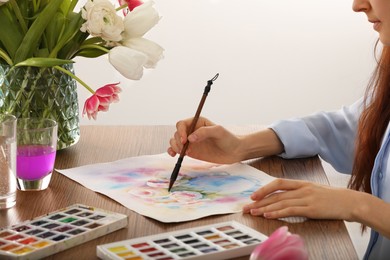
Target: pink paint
[(158, 183), (226, 200)]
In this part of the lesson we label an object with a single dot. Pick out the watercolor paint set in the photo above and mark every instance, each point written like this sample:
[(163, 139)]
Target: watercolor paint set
[(57, 231), (219, 241)]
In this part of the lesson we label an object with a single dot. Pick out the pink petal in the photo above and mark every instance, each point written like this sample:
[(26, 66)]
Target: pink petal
[(276, 239), (290, 253), (90, 107), (281, 245), (108, 90), (91, 103), (115, 98), (105, 101), (131, 4), (117, 89), (103, 108)]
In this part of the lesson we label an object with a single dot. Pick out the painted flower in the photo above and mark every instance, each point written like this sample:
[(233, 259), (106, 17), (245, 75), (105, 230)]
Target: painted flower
[(101, 100), (102, 20), (281, 245)]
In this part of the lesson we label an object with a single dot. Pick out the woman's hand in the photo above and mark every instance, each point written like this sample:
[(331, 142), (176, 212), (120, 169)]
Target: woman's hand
[(286, 198), (213, 143), (209, 142)]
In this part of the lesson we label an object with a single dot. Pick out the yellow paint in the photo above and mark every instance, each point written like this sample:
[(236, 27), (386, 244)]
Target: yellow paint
[(213, 237), (117, 249), (22, 250), (41, 244)]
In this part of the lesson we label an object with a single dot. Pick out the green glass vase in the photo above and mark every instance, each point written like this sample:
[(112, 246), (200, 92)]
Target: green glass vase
[(42, 92)]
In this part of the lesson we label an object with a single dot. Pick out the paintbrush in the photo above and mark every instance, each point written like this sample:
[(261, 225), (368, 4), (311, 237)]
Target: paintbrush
[(176, 170)]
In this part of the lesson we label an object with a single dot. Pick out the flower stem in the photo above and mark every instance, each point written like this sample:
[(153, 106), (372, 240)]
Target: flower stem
[(76, 78), (121, 7), (93, 46)]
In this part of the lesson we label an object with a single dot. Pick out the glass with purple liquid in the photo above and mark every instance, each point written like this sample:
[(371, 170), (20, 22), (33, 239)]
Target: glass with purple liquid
[(36, 152)]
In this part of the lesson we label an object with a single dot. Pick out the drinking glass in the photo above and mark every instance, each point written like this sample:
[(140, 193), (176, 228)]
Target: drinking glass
[(36, 152), (7, 161)]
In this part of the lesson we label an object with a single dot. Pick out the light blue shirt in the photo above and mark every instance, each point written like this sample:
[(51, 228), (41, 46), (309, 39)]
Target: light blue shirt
[(331, 135)]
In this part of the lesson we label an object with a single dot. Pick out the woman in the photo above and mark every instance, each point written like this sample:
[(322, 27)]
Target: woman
[(354, 140)]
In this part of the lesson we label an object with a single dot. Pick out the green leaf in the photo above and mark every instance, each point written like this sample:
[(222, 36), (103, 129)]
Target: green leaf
[(43, 53), (5, 57), (18, 15), (32, 37), (92, 50), (93, 40), (10, 33), (90, 53), (72, 38), (25, 7), (54, 30), (43, 62)]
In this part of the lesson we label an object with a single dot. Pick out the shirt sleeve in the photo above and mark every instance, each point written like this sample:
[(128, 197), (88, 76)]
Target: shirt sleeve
[(331, 135)]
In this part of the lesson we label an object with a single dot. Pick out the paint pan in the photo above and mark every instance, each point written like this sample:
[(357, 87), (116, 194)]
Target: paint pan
[(57, 231), (219, 241)]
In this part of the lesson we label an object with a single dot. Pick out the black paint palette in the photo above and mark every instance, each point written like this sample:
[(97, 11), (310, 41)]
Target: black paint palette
[(57, 231), (219, 241)]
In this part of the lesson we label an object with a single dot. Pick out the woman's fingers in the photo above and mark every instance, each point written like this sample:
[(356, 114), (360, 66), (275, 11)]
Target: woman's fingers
[(276, 185), (278, 209), (275, 201)]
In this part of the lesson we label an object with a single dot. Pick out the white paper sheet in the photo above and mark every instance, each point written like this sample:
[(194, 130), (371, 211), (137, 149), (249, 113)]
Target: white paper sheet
[(202, 189)]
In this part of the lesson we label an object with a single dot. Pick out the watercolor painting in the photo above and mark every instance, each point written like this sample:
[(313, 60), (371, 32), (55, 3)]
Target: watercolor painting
[(201, 189)]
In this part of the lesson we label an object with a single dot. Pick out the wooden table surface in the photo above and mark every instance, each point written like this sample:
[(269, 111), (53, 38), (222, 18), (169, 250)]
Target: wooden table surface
[(325, 239)]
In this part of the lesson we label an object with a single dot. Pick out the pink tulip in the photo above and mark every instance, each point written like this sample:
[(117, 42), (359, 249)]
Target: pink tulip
[(131, 4), (281, 245), (101, 100)]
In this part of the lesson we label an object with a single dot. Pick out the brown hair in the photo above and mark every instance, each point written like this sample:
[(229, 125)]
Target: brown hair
[(372, 124)]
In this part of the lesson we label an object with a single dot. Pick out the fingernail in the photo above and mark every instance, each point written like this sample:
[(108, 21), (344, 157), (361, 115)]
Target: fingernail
[(192, 138)]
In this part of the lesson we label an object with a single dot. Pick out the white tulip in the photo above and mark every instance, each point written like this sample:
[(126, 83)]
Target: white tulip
[(102, 20), (152, 50), (140, 20), (128, 62)]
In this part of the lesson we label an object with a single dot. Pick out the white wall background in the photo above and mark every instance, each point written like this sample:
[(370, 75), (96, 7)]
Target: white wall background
[(276, 59)]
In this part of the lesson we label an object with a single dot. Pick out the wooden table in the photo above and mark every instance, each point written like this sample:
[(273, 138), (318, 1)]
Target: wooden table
[(325, 239)]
